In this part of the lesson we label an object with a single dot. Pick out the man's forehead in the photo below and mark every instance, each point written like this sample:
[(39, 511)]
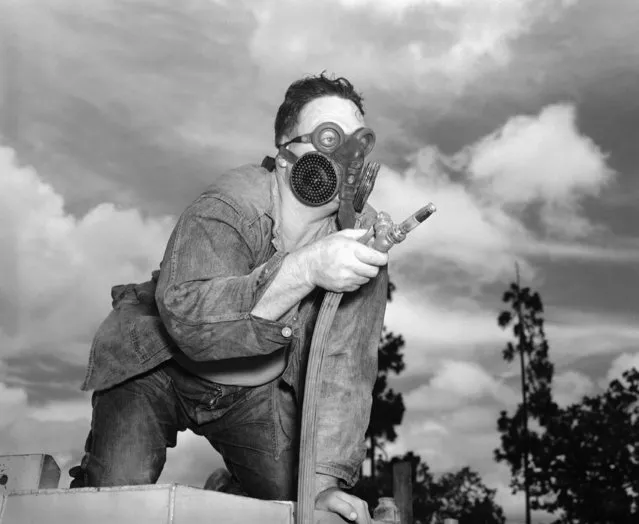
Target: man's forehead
[(330, 109)]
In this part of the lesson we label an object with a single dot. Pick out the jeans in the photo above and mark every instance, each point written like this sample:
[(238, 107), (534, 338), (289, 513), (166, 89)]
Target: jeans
[(255, 429)]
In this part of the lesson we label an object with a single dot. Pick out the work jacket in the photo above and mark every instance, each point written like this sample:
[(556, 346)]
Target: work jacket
[(222, 255)]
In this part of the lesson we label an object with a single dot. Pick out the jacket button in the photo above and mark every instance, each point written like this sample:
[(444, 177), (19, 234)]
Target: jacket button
[(287, 332)]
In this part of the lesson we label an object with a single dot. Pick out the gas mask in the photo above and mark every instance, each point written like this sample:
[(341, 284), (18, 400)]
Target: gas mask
[(335, 167)]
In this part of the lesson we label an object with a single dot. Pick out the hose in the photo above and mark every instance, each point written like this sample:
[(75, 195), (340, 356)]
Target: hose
[(386, 235)]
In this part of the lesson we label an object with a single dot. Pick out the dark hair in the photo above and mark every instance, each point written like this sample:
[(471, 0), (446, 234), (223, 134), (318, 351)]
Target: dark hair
[(303, 91)]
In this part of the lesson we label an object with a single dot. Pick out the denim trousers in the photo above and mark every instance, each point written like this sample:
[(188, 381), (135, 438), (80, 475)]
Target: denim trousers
[(255, 429)]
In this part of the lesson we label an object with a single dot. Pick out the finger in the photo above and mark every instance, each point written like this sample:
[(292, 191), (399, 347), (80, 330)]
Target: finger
[(362, 280), (367, 238), (366, 270), (354, 284), (368, 255), (359, 275), (360, 507), (352, 233), (342, 507)]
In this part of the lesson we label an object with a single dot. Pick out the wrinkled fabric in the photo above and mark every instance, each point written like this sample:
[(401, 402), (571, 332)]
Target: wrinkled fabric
[(133, 424), (221, 257)]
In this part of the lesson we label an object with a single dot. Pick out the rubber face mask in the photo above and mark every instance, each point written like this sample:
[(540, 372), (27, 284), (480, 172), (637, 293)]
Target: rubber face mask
[(335, 167)]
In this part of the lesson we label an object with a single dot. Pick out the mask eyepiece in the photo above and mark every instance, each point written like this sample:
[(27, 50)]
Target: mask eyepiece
[(327, 137), (366, 139)]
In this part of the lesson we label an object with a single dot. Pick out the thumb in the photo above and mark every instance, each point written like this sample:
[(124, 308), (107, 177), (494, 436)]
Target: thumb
[(352, 233)]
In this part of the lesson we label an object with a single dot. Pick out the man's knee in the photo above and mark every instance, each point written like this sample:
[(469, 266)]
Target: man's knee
[(126, 469), (130, 431), (262, 477)]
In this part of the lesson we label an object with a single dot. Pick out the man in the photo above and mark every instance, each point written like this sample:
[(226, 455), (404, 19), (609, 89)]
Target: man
[(218, 341)]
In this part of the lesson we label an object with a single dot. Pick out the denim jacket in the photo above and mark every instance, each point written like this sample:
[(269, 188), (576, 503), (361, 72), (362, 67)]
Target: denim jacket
[(221, 257)]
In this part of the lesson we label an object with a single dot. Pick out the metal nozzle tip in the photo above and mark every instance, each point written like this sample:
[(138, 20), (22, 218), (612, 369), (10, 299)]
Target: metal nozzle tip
[(425, 212)]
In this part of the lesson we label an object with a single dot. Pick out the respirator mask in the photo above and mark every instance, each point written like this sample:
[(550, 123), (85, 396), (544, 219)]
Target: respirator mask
[(335, 167)]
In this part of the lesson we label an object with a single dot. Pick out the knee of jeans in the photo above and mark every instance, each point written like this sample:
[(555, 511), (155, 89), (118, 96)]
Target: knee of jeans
[(285, 489), (123, 470), (274, 483)]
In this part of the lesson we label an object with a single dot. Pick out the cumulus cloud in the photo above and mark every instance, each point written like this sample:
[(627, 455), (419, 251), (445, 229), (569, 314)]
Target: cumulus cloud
[(575, 336), (456, 384), (22, 426), (149, 123), (435, 330), (429, 45), (515, 194), (538, 166), (446, 440), (59, 269), (542, 158), (58, 273)]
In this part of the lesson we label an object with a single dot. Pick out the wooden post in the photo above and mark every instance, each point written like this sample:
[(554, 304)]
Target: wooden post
[(403, 490)]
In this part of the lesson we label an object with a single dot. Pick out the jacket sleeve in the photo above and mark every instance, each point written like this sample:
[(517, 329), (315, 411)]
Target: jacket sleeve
[(209, 283)]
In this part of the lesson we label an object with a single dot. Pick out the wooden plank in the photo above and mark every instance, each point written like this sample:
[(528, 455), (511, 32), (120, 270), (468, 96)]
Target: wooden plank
[(3, 501), (147, 504), (25, 472), (130, 505), (403, 490), (198, 505), (327, 517)]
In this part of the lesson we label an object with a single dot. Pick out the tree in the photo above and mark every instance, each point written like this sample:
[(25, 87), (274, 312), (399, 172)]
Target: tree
[(464, 497), (388, 408), (589, 457), (460, 495), (582, 461), (517, 440)]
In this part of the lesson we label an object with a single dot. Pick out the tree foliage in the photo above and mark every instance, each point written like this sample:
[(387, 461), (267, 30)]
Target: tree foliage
[(460, 495), (387, 410), (388, 406), (464, 497), (588, 457), (526, 318), (584, 458)]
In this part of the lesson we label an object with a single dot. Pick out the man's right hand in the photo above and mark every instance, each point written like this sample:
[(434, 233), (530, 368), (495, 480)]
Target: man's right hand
[(339, 263)]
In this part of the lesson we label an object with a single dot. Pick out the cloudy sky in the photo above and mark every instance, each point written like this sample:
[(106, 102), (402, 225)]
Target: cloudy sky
[(517, 118)]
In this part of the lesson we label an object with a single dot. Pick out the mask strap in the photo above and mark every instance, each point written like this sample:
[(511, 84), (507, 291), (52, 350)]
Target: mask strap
[(268, 163), (303, 139), (288, 155)]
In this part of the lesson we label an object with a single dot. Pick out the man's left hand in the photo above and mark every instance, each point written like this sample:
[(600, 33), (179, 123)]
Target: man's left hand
[(348, 506)]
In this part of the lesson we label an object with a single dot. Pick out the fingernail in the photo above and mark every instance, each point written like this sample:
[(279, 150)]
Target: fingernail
[(353, 516)]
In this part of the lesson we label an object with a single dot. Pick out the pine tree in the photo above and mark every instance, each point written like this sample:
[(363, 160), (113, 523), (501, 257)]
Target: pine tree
[(518, 441)]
